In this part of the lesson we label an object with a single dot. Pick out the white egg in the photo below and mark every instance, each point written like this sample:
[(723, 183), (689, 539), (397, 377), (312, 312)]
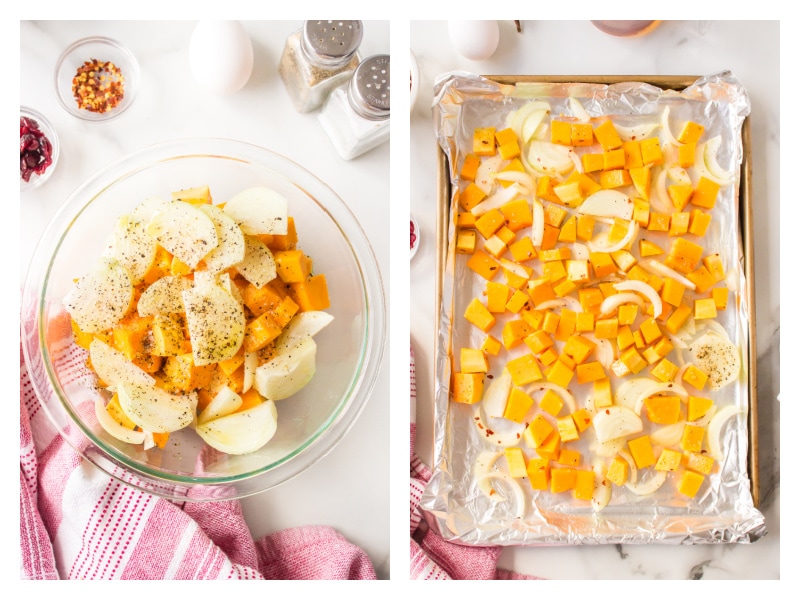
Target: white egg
[(475, 40), (221, 55)]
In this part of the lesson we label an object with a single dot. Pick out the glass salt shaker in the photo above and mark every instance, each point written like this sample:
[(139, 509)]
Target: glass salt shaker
[(356, 115), (317, 58)]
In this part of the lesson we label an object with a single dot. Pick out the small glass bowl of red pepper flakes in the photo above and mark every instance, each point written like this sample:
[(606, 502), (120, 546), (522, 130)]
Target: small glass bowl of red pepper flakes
[(96, 78), (38, 148)]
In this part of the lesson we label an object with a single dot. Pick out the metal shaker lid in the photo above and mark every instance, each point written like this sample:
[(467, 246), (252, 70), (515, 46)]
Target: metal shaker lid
[(369, 88), (332, 41)]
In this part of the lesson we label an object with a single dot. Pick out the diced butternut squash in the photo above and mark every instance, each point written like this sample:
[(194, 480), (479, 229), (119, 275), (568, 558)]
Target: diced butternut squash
[(467, 387), (517, 405), (538, 471)]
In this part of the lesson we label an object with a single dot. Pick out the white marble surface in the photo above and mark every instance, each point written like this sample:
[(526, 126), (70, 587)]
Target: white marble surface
[(349, 488), (577, 48)]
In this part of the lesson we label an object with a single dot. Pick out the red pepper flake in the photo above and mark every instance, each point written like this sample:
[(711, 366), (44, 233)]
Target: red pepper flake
[(98, 86)]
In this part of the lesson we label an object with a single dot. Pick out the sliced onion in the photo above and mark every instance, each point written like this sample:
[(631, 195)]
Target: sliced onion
[(633, 285), (521, 178), (537, 233), (568, 398), (483, 466), (487, 168), (633, 230), (113, 428), (608, 203), (614, 301), (519, 116), (706, 418), (706, 159), (715, 428), (679, 175), (616, 422), (645, 488), (511, 435), (636, 132), (633, 476), (608, 448), (495, 396), (602, 487), (579, 111), (661, 200), (519, 495), (554, 303), (665, 127), (631, 390), (496, 200), (604, 350), (668, 435)]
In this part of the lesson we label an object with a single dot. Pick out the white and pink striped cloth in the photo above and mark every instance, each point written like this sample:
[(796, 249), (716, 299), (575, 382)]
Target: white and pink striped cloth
[(76, 522), (431, 556)]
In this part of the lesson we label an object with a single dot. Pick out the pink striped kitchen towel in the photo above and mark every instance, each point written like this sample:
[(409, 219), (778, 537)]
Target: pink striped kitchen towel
[(76, 522), (431, 556)]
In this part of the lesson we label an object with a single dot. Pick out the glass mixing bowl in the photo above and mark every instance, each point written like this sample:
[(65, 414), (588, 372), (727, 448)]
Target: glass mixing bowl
[(349, 349)]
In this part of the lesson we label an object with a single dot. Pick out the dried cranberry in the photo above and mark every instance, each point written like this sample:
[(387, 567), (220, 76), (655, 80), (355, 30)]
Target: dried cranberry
[(35, 150)]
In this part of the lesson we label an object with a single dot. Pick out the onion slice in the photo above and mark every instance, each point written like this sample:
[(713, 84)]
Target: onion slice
[(110, 425), (519, 495), (633, 230), (661, 200), (483, 467), (633, 285), (665, 127), (649, 486), (614, 301), (501, 439), (615, 422), (668, 435), (602, 487), (579, 111), (497, 199), (537, 229), (715, 428)]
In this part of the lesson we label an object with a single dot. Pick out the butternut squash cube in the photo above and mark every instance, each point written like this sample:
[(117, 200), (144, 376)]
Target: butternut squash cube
[(483, 264), (642, 178), (569, 458), (538, 470), (668, 460), (698, 222), (617, 472), (690, 483), (680, 194), (698, 462), (465, 220), (524, 370), (664, 410), (613, 159), (483, 141), (470, 197), (566, 325), (651, 152), (705, 193), (551, 403), (560, 374), (539, 341), (581, 134), (469, 168), (517, 213), (701, 278), (307, 295), (592, 162), (690, 133), (489, 222), (642, 451), (601, 393), (544, 189), (562, 479), (518, 301), (181, 374), (467, 387), (517, 405), (168, 338), (713, 262), (539, 429), (607, 135), (550, 448), (720, 296), (579, 348), (705, 308), (522, 249), (584, 485), (477, 314), (491, 345), (516, 462), (672, 291), (582, 419), (590, 371), (466, 241), (259, 332), (633, 360), (686, 154), (560, 133), (684, 255), (695, 377), (614, 178), (473, 360), (569, 433), (692, 438)]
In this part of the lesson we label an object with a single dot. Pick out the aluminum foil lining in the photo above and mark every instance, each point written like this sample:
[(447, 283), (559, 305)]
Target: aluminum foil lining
[(470, 498)]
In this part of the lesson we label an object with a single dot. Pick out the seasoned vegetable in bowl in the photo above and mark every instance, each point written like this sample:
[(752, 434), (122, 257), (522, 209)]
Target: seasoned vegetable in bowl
[(152, 356)]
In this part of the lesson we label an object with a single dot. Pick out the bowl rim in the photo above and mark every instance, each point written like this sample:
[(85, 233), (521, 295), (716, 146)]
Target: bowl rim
[(183, 487), (47, 127), (132, 78)]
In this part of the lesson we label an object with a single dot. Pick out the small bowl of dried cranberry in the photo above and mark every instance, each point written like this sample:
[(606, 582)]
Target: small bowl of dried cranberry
[(38, 148), (96, 78)]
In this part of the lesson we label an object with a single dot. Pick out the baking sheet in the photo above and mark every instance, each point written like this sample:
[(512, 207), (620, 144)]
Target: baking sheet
[(453, 503)]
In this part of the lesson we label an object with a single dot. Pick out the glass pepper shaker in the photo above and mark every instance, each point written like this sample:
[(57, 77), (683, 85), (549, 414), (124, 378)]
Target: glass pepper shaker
[(317, 58), (356, 115)]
